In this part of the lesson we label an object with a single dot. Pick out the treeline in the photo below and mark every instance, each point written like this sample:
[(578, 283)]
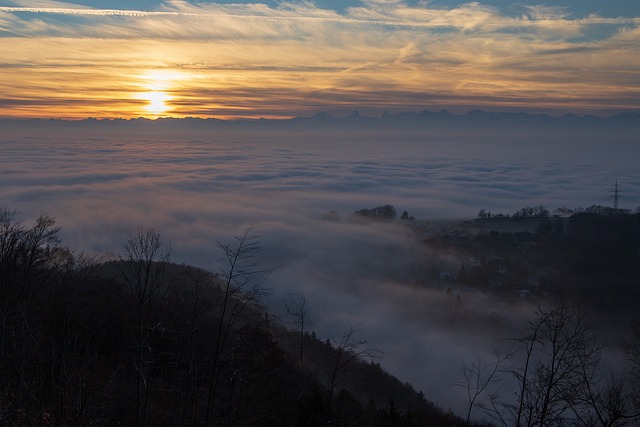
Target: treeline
[(593, 258), (542, 212), (141, 341), (525, 212), (380, 212)]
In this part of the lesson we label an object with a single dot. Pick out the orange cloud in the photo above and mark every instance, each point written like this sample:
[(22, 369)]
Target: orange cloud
[(256, 60)]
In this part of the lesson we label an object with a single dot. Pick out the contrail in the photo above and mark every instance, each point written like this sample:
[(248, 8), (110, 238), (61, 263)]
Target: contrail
[(88, 12), (507, 22), (272, 18)]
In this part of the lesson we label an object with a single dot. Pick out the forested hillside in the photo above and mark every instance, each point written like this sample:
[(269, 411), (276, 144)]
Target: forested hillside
[(140, 341), (591, 258)]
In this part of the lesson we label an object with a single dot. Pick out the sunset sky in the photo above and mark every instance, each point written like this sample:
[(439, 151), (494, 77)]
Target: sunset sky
[(117, 58)]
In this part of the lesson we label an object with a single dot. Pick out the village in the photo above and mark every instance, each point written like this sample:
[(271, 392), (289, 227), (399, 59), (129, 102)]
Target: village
[(535, 253)]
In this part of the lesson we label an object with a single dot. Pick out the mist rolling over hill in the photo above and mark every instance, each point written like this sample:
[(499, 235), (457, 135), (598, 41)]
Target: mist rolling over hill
[(199, 183)]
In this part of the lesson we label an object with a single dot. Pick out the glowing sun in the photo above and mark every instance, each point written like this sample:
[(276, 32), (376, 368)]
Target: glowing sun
[(156, 102), (156, 86)]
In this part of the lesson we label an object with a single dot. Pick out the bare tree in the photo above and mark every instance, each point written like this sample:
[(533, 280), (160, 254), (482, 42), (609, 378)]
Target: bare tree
[(37, 246), (41, 336), (296, 308), (606, 402), (189, 399), (11, 236), (478, 375), (143, 265), (560, 376), (23, 250), (142, 269), (632, 349), (349, 352), (560, 352), (241, 285)]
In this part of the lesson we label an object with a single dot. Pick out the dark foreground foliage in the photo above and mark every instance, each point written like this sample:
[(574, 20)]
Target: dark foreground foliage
[(591, 258), (141, 341)]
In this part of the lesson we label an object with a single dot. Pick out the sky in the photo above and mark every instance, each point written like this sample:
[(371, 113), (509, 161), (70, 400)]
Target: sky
[(251, 59)]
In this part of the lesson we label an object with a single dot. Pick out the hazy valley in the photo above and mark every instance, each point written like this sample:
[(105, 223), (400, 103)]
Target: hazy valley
[(200, 185)]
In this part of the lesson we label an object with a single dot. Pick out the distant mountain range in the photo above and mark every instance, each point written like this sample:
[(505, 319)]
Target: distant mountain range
[(478, 117), (426, 118)]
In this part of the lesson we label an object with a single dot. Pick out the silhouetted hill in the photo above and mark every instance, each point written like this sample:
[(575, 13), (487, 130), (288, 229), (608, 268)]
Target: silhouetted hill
[(142, 341)]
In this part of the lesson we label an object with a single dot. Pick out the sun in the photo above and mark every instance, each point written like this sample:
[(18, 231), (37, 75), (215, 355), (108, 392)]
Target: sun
[(156, 102), (155, 88)]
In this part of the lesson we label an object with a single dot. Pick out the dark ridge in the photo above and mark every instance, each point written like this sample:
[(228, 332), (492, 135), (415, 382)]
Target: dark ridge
[(426, 118)]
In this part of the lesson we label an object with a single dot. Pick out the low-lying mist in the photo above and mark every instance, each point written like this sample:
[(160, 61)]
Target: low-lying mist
[(202, 188)]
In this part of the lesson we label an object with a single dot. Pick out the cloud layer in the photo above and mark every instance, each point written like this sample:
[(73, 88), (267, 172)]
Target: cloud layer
[(198, 188), (256, 60)]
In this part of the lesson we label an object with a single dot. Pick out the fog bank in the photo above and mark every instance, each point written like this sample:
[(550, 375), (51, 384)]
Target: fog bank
[(198, 188)]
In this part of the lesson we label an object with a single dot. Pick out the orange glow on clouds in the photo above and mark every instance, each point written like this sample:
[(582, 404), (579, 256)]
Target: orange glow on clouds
[(228, 61)]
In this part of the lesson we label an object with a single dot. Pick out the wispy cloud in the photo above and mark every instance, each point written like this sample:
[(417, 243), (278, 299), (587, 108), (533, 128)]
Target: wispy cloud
[(470, 16), (467, 54)]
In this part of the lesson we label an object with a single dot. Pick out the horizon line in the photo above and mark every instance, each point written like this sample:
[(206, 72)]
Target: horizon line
[(355, 113)]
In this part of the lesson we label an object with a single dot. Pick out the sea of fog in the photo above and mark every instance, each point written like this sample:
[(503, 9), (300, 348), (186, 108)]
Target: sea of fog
[(200, 188)]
